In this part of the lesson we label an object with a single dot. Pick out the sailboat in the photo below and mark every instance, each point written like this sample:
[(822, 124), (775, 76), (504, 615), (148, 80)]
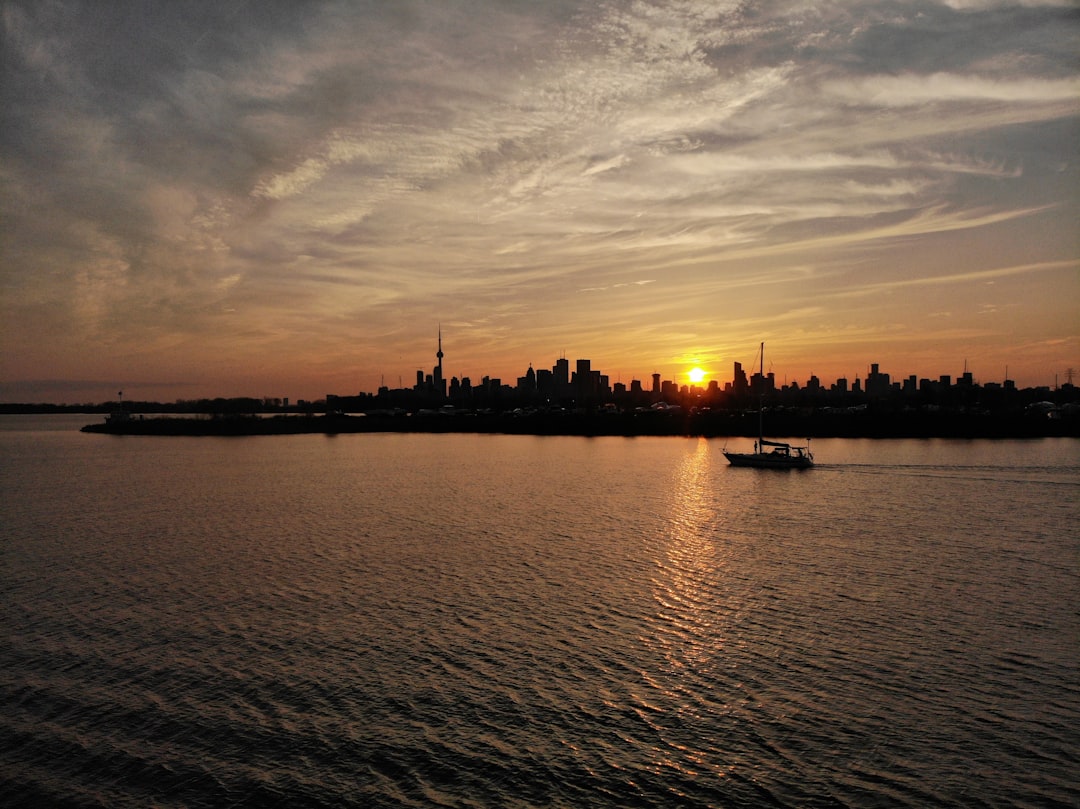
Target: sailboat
[(779, 454)]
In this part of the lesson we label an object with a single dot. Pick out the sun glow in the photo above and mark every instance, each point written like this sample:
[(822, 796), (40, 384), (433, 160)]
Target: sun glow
[(696, 375)]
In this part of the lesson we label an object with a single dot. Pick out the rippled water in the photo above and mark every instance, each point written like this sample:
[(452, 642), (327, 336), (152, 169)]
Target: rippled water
[(458, 620)]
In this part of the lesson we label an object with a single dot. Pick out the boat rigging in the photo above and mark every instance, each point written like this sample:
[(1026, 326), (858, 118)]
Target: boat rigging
[(781, 455)]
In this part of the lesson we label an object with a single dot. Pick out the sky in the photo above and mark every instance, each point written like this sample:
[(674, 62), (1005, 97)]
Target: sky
[(290, 199)]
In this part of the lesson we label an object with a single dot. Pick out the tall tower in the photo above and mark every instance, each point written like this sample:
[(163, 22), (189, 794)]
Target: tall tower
[(440, 385)]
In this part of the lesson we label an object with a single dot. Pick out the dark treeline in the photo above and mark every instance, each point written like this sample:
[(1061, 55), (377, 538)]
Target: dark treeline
[(865, 423), (220, 405)]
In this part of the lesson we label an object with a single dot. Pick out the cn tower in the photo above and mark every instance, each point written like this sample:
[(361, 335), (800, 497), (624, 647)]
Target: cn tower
[(440, 386)]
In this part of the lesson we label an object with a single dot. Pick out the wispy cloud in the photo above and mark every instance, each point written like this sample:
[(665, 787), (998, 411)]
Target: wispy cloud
[(912, 89), (962, 279)]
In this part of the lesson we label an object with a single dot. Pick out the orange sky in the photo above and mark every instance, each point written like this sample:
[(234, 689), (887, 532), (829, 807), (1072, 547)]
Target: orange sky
[(292, 203)]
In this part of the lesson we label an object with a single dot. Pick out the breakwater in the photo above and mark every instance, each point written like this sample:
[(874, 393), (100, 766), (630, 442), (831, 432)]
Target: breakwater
[(862, 424)]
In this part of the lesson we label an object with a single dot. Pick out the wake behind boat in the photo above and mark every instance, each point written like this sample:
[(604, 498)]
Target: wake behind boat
[(781, 455)]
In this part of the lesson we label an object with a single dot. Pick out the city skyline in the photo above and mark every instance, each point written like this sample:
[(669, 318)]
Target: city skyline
[(219, 199), (434, 380), (563, 378)]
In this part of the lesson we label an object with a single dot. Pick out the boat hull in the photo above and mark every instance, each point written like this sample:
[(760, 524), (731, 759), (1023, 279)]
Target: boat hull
[(768, 460)]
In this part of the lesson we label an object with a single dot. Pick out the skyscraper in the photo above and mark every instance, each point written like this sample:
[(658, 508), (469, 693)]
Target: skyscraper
[(583, 380), (440, 383), (562, 376)]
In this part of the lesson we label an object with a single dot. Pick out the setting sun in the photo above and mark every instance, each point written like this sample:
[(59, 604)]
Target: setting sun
[(696, 375)]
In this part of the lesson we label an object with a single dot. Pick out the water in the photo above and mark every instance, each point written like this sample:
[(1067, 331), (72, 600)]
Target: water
[(457, 620)]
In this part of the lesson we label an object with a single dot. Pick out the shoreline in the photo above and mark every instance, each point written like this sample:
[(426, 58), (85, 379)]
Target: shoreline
[(708, 425)]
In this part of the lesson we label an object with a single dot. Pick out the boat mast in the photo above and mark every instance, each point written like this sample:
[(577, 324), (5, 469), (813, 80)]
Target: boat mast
[(761, 401)]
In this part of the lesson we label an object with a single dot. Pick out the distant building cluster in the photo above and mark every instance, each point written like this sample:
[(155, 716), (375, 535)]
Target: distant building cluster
[(583, 386)]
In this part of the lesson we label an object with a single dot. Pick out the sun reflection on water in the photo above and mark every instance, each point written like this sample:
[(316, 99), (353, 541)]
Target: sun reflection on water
[(684, 586), (687, 629)]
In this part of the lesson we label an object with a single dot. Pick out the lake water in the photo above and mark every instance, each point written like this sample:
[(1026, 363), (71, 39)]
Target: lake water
[(475, 621)]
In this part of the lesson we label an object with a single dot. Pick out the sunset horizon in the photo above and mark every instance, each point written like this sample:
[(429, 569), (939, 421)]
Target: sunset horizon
[(680, 371)]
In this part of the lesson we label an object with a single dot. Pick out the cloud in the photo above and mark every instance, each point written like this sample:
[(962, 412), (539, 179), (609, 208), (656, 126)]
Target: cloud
[(983, 5), (910, 90), (620, 286), (347, 171), (986, 276)]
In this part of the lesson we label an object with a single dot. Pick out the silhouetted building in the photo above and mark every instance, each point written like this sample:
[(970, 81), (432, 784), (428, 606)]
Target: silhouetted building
[(601, 385), (526, 385), (545, 383), (739, 385), (584, 382), (562, 377), (760, 385), (877, 383)]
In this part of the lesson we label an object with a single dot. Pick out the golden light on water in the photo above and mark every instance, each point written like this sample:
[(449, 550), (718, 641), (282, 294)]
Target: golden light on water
[(689, 559)]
